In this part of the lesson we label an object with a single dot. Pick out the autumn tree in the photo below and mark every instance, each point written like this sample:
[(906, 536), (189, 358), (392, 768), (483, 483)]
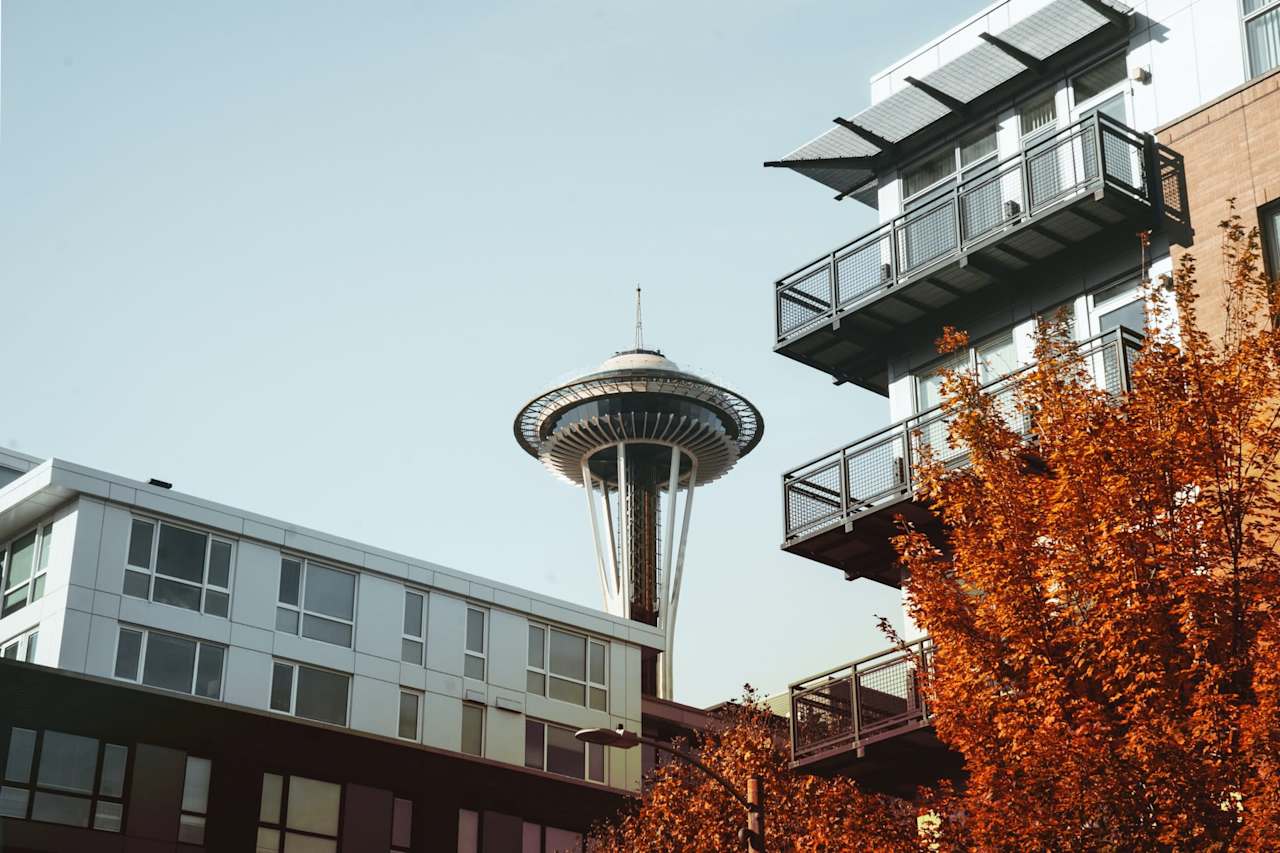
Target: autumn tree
[(1104, 608), (683, 809)]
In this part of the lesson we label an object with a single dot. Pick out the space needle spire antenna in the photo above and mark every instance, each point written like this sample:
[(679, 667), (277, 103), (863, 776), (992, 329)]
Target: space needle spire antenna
[(638, 435)]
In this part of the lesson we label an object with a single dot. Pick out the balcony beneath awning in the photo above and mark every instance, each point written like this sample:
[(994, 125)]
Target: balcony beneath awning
[(844, 313)]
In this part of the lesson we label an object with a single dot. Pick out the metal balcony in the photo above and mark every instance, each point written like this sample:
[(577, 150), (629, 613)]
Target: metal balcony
[(840, 508), (844, 312), (870, 719)]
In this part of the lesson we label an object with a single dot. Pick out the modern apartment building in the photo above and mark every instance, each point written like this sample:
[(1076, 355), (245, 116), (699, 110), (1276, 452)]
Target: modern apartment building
[(209, 678), (1013, 162)]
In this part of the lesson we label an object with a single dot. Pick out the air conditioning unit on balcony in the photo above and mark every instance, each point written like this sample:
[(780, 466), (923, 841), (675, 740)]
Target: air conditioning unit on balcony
[(1012, 209), (886, 272)]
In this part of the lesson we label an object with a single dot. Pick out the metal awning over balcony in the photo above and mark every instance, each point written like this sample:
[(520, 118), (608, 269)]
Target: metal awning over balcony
[(1048, 40), (840, 508), (844, 312), (870, 719)]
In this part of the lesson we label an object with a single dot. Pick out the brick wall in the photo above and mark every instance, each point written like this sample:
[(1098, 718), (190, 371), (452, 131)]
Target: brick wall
[(1231, 148)]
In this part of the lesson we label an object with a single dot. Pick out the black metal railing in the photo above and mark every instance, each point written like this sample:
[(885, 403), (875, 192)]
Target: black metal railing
[(859, 703), (882, 468), (1097, 151)]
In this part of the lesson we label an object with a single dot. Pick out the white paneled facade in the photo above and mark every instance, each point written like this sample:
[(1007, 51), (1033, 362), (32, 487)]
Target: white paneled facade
[(89, 559)]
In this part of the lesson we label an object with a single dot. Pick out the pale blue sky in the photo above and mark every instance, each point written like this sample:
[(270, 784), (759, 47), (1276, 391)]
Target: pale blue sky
[(308, 258)]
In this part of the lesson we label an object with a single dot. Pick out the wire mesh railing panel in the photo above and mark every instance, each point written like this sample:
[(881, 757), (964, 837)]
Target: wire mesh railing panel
[(1124, 160), (926, 235), (876, 471), (989, 203), (805, 301), (865, 267), (813, 499), (888, 693), (822, 715)]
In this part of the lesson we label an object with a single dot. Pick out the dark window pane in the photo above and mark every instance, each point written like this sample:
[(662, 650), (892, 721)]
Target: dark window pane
[(21, 559), (31, 648), (22, 746), (411, 651), (108, 817), (1099, 78), (402, 823), (290, 572), (565, 753), (215, 603), (330, 592), (281, 687), (181, 553), (568, 655), (14, 601), (533, 743), (37, 587), (326, 630), (537, 647), (170, 663), (322, 696), (475, 631), (598, 699), (472, 729), (176, 593), (535, 682), (68, 762), (220, 563), (1132, 316), (127, 652), (10, 651), (114, 758), (595, 762), (567, 691), (46, 540), (191, 829), (413, 614), (286, 620), (137, 584), (408, 716), (140, 544), (473, 667), (597, 663), (55, 808), (195, 785), (209, 672), (13, 801)]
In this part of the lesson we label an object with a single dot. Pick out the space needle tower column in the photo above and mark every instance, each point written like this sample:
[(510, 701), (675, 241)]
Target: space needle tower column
[(639, 435)]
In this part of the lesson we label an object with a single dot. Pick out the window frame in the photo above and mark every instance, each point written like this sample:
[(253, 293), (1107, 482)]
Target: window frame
[(31, 785), (1270, 213), (959, 169), (1268, 7), (41, 545), (417, 714), (971, 364), (588, 749), (152, 570), (467, 652), (300, 608), (142, 660), (24, 645), (281, 826), (547, 673), (421, 637), (202, 816), (479, 709), (293, 691)]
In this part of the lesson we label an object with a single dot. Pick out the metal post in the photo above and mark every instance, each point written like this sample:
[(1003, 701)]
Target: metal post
[(833, 284), (755, 815), (606, 588), (624, 525), (679, 571), (668, 545)]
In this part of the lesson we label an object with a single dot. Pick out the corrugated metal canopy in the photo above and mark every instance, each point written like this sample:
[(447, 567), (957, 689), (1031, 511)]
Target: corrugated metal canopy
[(843, 157)]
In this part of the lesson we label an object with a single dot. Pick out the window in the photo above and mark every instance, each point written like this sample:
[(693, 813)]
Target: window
[(298, 814), (170, 662), (195, 800), (318, 600), (473, 663), (472, 728), (78, 781), (977, 147), (24, 575), (410, 704), (1262, 35), (1119, 305), (556, 750), (1038, 113), (1269, 225), (315, 694), (175, 565), (932, 171), (1098, 79), (22, 647), (401, 825), (412, 642), (568, 667)]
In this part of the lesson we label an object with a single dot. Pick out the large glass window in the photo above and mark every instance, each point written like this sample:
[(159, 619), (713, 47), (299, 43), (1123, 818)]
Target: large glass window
[(472, 728), (195, 800), (178, 566), (473, 664), (21, 647), (556, 750), (1099, 79), (413, 641), (315, 694), (410, 708), (64, 778), (170, 662), (25, 569), (566, 666), (298, 815), (1037, 114), (1262, 35), (928, 173), (316, 601)]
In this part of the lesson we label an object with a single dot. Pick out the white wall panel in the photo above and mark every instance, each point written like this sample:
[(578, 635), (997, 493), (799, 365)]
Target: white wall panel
[(255, 580), (379, 617), (446, 627)]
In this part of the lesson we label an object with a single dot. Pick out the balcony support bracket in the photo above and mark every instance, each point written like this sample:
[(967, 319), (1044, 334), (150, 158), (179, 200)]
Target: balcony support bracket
[(866, 135), (1114, 16), (954, 104), (1018, 55)]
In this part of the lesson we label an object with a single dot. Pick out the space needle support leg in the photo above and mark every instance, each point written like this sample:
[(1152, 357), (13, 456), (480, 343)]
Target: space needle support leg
[(606, 588), (675, 580), (668, 540), (624, 530)]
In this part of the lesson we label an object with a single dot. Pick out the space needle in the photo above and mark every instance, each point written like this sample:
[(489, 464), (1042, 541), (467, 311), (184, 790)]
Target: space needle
[(638, 434)]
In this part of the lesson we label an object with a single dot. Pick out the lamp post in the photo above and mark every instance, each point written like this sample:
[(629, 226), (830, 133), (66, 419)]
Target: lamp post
[(753, 802)]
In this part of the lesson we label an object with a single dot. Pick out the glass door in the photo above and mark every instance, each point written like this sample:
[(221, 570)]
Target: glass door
[(1104, 89)]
